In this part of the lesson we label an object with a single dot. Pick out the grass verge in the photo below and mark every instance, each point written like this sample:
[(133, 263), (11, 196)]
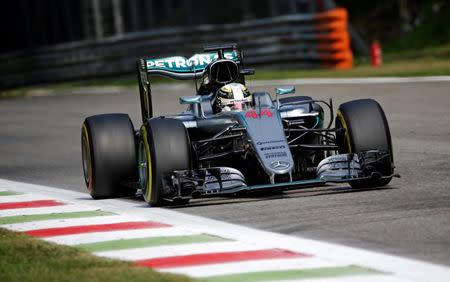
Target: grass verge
[(429, 61), (403, 68), (25, 258)]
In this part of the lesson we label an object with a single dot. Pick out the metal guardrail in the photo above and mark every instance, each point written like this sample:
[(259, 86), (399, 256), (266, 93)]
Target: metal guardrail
[(292, 41)]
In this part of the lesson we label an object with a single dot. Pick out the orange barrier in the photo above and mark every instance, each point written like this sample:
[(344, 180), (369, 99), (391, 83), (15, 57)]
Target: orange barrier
[(333, 39)]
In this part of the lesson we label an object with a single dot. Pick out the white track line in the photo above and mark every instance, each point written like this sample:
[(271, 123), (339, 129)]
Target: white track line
[(118, 235), (179, 250), (22, 198), (354, 278), (47, 210), (252, 266), (357, 81), (402, 268), (55, 223)]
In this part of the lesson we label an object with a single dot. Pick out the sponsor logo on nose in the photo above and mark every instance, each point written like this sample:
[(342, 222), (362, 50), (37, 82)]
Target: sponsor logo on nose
[(279, 165)]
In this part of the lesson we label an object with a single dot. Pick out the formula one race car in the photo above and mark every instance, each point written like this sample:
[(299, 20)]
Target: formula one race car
[(230, 140)]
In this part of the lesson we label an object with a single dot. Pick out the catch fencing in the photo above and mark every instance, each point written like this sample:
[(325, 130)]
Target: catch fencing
[(291, 41)]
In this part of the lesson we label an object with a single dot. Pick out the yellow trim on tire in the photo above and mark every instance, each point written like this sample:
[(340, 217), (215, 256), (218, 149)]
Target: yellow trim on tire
[(89, 182), (344, 125), (148, 192)]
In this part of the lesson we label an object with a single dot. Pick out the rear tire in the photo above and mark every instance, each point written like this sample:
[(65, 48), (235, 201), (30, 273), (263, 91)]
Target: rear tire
[(366, 128), (109, 155), (164, 147)]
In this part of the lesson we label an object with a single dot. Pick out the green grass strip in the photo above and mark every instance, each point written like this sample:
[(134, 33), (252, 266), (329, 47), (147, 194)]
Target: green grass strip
[(24, 258), (48, 216), (325, 272), (148, 242), (9, 193)]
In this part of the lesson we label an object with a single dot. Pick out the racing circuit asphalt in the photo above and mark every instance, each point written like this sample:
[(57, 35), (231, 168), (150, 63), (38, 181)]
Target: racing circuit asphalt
[(40, 143)]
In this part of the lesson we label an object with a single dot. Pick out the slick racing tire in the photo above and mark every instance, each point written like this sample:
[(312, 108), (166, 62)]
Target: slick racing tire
[(108, 149), (164, 147), (365, 128)]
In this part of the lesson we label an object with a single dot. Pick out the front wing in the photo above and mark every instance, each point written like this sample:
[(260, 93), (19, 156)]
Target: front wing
[(216, 181)]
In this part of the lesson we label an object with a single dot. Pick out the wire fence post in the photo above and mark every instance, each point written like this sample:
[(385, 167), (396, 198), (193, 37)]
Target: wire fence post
[(98, 19), (118, 18)]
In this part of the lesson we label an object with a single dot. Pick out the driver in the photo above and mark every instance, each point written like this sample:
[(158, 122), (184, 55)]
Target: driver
[(233, 96)]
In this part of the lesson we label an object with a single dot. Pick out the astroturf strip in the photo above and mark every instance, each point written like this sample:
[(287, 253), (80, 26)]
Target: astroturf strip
[(149, 242), (324, 272), (9, 193), (48, 216)]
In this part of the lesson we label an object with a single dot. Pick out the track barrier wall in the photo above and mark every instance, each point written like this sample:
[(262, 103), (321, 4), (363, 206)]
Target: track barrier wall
[(292, 41)]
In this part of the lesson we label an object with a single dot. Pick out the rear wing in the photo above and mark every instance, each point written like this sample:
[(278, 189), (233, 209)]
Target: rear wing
[(186, 68), (180, 68)]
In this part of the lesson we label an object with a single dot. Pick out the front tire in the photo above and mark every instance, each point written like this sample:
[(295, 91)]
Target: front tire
[(108, 155), (164, 147), (365, 128)]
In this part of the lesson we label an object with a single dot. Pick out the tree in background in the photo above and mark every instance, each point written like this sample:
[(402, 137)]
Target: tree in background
[(418, 23)]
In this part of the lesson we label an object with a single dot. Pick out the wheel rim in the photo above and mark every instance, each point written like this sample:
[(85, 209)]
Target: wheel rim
[(86, 158), (343, 124), (145, 167), (142, 161)]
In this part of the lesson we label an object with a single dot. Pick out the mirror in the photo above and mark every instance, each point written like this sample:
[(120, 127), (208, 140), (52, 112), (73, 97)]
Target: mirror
[(285, 90), (247, 71), (189, 100)]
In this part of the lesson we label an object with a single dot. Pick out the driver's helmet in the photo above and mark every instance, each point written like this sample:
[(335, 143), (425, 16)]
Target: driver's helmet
[(233, 96)]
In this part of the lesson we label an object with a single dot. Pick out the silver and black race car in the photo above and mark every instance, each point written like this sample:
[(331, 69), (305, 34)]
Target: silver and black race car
[(230, 140)]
